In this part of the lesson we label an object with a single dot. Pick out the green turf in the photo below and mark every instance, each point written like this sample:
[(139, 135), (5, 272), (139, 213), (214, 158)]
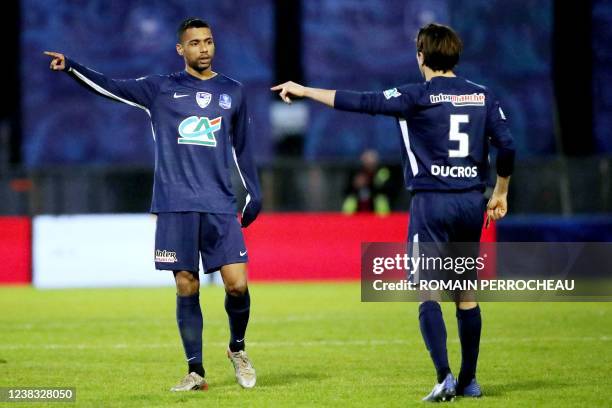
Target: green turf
[(312, 345)]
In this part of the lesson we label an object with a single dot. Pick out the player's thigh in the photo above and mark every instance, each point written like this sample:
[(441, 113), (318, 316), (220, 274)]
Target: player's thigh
[(469, 216), (427, 231), (428, 218), (221, 241), (176, 241), (430, 231)]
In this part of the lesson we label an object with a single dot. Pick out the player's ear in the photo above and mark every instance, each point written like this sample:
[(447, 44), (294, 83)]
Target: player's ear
[(420, 58), (179, 49)]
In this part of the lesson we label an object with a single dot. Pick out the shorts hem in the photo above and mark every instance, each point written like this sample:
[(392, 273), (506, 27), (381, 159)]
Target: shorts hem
[(171, 267), (226, 262)]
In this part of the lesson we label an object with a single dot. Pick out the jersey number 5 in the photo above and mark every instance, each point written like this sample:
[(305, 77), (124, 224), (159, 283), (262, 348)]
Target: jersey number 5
[(457, 136)]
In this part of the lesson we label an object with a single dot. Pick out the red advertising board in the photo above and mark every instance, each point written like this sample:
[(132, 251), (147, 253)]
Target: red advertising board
[(282, 247), (319, 246), (15, 250)]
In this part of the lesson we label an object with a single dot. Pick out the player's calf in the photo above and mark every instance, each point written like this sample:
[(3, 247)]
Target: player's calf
[(237, 304)]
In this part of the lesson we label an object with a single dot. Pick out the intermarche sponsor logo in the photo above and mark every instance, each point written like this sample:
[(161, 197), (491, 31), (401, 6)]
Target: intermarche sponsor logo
[(162, 255), (475, 99)]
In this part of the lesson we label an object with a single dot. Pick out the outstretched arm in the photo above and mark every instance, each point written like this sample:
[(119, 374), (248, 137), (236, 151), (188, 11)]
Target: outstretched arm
[(391, 102), (135, 92), (324, 96)]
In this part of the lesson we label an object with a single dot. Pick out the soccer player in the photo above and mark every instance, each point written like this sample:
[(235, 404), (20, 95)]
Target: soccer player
[(446, 123), (200, 125)]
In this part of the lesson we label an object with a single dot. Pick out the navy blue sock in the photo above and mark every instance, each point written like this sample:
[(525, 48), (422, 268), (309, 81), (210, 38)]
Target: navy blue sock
[(190, 323), (434, 334), (238, 309), (470, 325)]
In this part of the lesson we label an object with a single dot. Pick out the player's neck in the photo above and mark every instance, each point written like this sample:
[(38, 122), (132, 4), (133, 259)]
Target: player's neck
[(429, 73), (204, 75)]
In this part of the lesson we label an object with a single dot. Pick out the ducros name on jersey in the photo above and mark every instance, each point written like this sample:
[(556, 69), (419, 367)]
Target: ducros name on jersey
[(454, 171)]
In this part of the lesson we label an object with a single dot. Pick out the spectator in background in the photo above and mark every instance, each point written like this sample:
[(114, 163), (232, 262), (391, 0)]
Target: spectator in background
[(367, 189)]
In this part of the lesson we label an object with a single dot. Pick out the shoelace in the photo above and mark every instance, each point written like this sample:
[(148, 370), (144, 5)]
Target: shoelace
[(187, 381), (243, 363)]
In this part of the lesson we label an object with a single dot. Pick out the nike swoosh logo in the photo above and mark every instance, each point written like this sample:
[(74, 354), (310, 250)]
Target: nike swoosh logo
[(239, 341), (178, 96), (189, 359), (243, 253)]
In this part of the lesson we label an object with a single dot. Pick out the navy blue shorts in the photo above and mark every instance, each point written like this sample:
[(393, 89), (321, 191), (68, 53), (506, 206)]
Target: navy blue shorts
[(182, 237), (439, 219)]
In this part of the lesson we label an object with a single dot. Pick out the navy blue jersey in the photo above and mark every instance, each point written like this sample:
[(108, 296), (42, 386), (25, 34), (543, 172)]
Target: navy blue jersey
[(446, 126), (200, 128)]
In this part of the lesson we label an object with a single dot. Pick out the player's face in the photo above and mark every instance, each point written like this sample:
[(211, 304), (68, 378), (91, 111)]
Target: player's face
[(197, 48)]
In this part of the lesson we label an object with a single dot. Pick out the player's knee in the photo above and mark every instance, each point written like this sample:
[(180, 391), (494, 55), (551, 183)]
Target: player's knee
[(187, 288), (466, 305), (187, 283), (238, 288)]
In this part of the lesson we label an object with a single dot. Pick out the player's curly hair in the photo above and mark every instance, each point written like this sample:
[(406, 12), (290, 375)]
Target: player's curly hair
[(191, 22), (440, 45)]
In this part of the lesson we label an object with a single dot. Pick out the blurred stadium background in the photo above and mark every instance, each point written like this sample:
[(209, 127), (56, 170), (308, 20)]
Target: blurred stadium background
[(76, 179), (65, 152)]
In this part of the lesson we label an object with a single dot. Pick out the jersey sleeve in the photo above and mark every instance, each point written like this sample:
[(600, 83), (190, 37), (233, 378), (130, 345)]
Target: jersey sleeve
[(392, 102), (498, 132), (242, 149), (134, 92)]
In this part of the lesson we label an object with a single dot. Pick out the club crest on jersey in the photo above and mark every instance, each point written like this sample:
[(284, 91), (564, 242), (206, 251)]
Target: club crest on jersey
[(200, 131), (225, 101), (203, 99)]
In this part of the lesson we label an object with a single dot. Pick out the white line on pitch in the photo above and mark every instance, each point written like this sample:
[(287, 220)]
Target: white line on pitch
[(313, 343)]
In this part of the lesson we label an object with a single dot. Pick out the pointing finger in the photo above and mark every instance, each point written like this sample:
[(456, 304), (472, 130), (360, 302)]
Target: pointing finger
[(53, 54)]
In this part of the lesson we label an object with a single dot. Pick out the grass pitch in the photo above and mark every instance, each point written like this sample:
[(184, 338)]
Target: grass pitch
[(312, 345)]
